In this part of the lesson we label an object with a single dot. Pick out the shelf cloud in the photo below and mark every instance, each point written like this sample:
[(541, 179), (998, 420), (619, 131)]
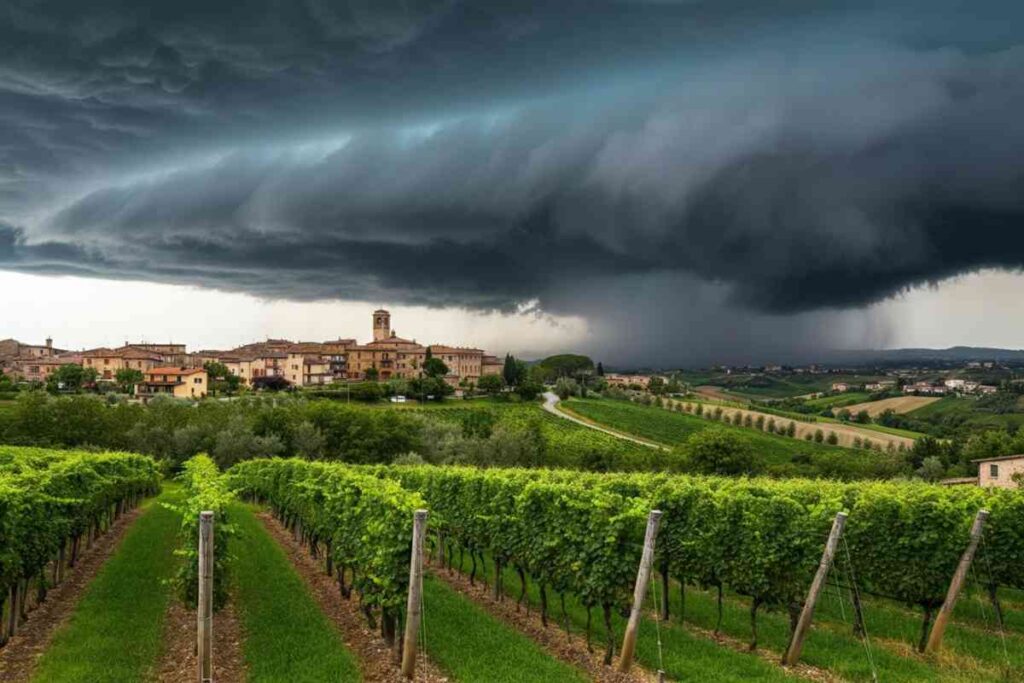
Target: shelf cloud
[(795, 159)]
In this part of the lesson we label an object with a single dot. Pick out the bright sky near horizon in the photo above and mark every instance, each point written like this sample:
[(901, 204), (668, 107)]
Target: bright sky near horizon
[(972, 310)]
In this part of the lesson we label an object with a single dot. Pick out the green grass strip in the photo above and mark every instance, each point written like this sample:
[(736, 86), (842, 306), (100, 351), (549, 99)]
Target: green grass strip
[(287, 635), (115, 632), (472, 645), (684, 656)]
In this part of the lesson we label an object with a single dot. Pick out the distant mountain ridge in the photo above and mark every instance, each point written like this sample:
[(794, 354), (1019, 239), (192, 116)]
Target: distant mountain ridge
[(951, 355)]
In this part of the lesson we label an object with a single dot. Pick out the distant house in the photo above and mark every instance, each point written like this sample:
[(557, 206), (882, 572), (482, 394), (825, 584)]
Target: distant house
[(925, 388), (999, 472), (840, 386), (171, 381), (880, 386), (986, 389)]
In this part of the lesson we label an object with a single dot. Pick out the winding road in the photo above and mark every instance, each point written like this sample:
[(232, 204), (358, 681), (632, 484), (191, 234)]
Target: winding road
[(551, 401)]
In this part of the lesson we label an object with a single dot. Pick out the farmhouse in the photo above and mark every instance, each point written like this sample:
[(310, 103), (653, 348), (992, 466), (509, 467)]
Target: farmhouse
[(840, 386), (1000, 472), (172, 381)]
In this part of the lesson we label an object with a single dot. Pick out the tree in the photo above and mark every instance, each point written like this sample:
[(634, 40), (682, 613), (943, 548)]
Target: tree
[(566, 365), (600, 369), (509, 371), (430, 388), (819, 436), (863, 417), (434, 367), (271, 383), (216, 370), (717, 451), (931, 469), (70, 377), (832, 439), (566, 387), (529, 390), (127, 378), (372, 374), (491, 384)]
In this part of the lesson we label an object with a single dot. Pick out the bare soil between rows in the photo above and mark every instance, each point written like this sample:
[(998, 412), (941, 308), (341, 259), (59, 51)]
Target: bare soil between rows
[(19, 657), (179, 662), (376, 660)]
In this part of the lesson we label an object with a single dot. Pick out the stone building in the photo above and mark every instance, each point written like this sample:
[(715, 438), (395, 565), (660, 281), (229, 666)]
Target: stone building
[(1000, 472)]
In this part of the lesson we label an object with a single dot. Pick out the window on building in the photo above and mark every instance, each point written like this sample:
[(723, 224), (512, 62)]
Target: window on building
[(993, 471)]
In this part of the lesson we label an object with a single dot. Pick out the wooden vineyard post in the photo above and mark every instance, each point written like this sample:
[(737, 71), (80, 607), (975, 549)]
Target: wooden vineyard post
[(205, 610), (796, 644), (643, 577), (939, 629), (413, 614)]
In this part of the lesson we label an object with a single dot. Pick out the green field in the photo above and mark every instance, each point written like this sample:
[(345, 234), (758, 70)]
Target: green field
[(772, 386), (837, 401), (773, 451), (951, 415), (116, 630)]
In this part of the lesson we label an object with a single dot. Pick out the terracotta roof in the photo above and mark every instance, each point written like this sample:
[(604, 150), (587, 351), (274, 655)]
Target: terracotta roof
[(174, 371), (440, 348), (390, 341), (1002, 457)]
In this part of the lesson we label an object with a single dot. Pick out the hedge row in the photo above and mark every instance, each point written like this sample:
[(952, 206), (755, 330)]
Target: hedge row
[(51, 502)]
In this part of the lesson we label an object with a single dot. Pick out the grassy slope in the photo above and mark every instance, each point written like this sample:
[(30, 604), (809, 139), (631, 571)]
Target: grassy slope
[(287, 636), (838, 401), (674, 428), (472, 645), (965, 410), (115, 631)]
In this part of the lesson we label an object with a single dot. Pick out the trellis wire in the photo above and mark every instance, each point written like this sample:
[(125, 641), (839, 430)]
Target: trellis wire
[(999, 622), (657, 627), (863, 621)]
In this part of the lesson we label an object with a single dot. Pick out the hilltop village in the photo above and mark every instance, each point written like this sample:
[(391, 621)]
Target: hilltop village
[(171, 368)]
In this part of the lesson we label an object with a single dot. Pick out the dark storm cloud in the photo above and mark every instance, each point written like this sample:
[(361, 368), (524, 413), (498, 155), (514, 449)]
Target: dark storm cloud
[(797, 157)]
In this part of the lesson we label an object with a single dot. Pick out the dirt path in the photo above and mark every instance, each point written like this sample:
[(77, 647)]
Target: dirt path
[(376, 661), (179, 663), (18, 658), (551, 405), (571, 648)]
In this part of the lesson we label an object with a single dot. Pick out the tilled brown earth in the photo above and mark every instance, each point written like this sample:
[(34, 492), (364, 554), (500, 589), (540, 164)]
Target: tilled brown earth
[(376, 660), (570, 648), (179, 663), (18, 658)]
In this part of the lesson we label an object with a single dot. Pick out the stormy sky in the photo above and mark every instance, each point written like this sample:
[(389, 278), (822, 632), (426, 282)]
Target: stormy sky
[(652, 180)]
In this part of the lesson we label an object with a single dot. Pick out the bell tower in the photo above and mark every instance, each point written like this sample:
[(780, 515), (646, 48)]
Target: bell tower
[(381, 324)]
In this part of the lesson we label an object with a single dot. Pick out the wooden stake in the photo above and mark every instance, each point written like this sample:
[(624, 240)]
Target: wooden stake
[(939, 629), (413, 614), (803, 625), (643, 577), (205, 610)]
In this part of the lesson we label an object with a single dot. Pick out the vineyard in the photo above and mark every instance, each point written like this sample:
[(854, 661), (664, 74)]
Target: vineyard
[(311, 576)]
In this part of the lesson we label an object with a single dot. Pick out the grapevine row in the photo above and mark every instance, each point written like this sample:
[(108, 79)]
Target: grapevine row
[(205, 489), (759, 538), (51, 502), (360, 525)]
